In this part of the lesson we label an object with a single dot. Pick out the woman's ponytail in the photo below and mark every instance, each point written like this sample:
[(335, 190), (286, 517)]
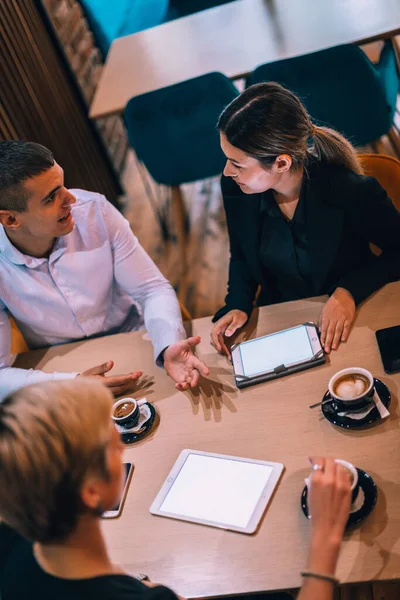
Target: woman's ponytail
[(331, 147), (267, 120)]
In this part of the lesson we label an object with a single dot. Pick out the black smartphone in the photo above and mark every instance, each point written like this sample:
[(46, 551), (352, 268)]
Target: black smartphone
[(116, 511), (389, 347)]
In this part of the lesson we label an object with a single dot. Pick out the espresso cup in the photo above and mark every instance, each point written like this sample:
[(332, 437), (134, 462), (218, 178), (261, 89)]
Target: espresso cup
[(352, 387), (126, 412), (353, 475)]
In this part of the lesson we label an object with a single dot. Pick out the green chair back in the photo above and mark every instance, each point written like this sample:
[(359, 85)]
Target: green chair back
[(173, 130), (341, 88)]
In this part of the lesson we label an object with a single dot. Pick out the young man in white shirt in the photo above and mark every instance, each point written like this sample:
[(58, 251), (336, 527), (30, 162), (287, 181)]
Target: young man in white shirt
[(71, 269)]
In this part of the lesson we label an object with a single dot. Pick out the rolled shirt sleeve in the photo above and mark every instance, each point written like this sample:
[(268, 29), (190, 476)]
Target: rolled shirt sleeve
[(12, 378), (137, 275)]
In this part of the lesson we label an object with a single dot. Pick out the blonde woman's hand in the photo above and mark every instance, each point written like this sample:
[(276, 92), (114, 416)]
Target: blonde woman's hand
[(329, 498), (118, 384), (226, 326)]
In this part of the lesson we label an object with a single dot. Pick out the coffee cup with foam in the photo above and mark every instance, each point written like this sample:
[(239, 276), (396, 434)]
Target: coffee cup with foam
[(352, 387)]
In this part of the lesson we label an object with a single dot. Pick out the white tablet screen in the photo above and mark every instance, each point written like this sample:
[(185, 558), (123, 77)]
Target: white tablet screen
[(282, 348), (220, 490)]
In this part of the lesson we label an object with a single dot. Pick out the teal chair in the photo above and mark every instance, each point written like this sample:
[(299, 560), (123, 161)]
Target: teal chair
[(173, 129), (109, 20), (173, 132), (341, 88), (182, 8)]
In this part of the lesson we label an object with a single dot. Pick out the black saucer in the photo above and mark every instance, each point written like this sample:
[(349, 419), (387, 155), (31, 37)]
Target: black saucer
[(330, 410), (130, 437), (368, 486)]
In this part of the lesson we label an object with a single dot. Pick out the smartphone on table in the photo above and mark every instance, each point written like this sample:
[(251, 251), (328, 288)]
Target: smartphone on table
[(116, 511), (389, 346)]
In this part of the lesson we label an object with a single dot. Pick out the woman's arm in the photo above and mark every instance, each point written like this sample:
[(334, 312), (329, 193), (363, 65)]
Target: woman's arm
[(329, 504), (242, 286)]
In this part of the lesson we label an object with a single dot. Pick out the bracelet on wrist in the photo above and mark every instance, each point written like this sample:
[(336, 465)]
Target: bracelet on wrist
[(321, 576)]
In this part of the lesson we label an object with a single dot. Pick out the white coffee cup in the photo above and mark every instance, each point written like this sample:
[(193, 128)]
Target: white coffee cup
[(351, 469)]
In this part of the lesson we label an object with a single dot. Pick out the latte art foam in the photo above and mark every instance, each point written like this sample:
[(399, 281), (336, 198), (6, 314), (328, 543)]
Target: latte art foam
[(351, 386)]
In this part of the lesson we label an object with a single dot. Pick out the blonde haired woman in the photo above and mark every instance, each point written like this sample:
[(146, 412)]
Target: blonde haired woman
[(61, 467), (300, 215)]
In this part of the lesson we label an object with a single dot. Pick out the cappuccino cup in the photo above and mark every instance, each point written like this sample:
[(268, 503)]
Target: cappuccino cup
[(352, 387), (126, 412)]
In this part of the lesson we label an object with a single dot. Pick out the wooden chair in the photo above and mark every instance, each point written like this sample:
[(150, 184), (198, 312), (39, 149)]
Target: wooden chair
[(19, 345), (186, 316), (386, 170)]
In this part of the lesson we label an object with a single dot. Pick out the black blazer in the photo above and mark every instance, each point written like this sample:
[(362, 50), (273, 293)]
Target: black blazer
[(345, 212)]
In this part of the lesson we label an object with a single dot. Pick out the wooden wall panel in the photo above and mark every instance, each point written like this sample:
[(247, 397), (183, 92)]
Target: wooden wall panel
[(40, 101)]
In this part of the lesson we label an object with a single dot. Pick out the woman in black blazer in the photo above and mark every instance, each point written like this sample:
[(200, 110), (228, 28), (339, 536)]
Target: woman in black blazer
[(300, 214)]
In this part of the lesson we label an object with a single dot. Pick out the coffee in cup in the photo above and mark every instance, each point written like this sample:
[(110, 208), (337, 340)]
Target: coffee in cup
[(126, 412), (351, 386)]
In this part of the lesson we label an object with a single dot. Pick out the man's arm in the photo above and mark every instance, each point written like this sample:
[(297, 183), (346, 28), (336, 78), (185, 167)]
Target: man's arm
[(137, 274), (11, 378)]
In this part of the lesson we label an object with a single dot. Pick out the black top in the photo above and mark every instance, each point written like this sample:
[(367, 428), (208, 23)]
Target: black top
[(344, 212), (290, 268), (21, 578)]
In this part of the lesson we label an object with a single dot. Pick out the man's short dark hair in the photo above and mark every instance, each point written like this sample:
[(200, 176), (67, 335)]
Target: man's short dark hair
[(19, 161)]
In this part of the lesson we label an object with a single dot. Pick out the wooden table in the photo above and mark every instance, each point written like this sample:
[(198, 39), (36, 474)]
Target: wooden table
[(233, 39), (270, 421)]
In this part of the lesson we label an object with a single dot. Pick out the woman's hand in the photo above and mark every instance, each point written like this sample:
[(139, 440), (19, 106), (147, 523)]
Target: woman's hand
[(118, 384), (226, 326), (329, 497), (336, 319)]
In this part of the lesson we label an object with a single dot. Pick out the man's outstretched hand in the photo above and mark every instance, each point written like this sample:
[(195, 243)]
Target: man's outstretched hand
[(118, 384), (182, 365)]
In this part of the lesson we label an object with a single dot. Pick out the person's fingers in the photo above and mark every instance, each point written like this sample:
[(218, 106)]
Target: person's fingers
[(317, 460), (224, 347), (192, 342), (343, 487), (214, 340), (100, 369), (235, 324), (330, 470), (118, 380), (200, 366), (330, 332), (323, 328), (223, 323), (182, 387), (217, 331), (136, 375), (194, 380), (346, 331), (318, 464), (338, 335)]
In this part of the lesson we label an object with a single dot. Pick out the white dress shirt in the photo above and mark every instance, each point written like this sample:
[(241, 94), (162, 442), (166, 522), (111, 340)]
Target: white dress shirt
[(97, 280)]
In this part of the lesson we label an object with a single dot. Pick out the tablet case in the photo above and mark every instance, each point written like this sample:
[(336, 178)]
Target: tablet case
[(318, 359)]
